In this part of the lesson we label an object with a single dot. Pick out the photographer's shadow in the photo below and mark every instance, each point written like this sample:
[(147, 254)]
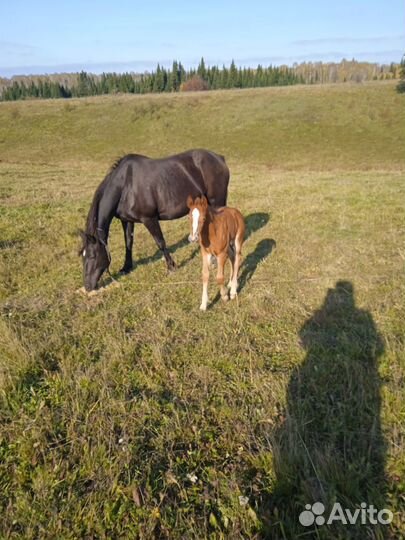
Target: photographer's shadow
[(329, 447)]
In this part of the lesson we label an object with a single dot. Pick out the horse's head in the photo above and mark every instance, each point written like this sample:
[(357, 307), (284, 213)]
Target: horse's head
[(96, 259), (198, 213)]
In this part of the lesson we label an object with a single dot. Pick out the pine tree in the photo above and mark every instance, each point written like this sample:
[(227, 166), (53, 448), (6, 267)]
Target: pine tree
[(182, 73), (158, 82), (173, 83), (233, 76), (401, 84), (224, 78), (201, 70)]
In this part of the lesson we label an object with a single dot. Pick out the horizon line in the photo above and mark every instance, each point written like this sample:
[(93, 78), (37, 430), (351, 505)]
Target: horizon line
[(148, 66)]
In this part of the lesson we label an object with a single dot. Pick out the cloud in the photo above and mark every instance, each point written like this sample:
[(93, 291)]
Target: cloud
[(92, 67), (386, 56), (347, 40), (11, 47)]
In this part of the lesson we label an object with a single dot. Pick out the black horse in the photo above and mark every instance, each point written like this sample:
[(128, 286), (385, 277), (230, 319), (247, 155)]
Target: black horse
[(138, 189)]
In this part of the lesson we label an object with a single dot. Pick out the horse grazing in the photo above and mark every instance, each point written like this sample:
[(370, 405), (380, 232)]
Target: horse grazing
[(220, 232), (138, 189)]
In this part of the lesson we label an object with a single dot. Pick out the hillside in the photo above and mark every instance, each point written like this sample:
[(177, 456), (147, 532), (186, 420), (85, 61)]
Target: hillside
[(131, 414), (357, 126)]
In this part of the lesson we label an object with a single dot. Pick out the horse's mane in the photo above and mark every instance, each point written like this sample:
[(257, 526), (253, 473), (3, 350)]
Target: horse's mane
[(91, 222), (115, 164)]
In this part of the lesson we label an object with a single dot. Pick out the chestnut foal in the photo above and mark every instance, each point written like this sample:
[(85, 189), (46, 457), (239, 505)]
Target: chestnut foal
[(220, 232)]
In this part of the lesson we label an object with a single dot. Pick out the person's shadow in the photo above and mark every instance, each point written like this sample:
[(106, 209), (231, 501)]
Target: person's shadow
[(328, 447)]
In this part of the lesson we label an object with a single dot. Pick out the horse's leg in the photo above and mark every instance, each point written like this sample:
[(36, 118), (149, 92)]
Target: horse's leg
[(128, 228), (231, 255), (222, 257), (238, 258), (152, 224), (205, 277)]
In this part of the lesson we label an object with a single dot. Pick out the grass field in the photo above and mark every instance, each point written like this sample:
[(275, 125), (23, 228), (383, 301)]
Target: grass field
[(132, 414)]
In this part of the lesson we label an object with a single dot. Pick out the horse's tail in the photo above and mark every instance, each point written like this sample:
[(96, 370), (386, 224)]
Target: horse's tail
[(215, 173)]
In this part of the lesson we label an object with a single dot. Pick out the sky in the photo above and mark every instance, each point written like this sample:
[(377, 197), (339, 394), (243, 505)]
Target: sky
[(47, 36)]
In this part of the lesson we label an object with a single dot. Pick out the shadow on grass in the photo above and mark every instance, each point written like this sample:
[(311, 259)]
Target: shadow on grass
[(254, 222), (329, 447), (262, 250), (158, 256), (7, 244)]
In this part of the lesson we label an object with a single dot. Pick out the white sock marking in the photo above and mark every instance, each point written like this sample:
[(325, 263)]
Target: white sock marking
[(196, 216)]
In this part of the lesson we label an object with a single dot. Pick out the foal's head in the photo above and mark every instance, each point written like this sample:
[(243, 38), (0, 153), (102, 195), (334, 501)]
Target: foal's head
[(198, 213)]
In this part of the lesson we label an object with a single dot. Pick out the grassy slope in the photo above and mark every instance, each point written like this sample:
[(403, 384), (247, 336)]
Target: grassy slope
[(108, 405), (320, 127)]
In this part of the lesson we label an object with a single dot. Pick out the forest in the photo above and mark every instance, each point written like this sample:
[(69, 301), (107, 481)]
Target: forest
[(204, 77)]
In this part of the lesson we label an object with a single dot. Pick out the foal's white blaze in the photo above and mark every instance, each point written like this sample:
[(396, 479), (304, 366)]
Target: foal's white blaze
[(84, 253), (196, 216)]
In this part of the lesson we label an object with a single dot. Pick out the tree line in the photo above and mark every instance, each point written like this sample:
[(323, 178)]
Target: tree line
[(177, 78)]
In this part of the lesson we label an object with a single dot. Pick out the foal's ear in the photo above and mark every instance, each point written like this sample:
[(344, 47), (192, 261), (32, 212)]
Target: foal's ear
[(189, 201)]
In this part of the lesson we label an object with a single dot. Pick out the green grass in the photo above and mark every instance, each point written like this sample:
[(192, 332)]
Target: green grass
[(317, 127), (132, 414)]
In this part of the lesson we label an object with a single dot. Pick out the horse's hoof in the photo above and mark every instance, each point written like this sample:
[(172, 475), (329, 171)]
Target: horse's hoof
[(225, 298), (203, 307), (126, 270), (82, 290), (233, 296), (172, 267), (94, 292)]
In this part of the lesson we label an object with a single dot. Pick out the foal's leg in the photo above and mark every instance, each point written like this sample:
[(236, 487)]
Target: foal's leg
[(128, 228), (152, 224), (238, 258), (205, 277), (231, 255), (222, 257)]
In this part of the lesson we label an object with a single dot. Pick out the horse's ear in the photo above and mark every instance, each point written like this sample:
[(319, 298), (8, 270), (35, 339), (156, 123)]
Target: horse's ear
[(189, 201), (90, 238), (86, 237), (204, 201)]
